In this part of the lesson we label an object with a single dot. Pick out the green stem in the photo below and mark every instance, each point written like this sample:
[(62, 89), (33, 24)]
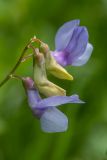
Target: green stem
[(26, 57), (16, 77), (16, 66)]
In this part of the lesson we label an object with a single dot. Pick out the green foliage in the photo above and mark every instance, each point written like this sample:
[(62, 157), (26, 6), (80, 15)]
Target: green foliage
[(20, 135)]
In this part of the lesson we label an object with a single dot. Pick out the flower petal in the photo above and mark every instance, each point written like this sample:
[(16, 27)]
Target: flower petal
[(53, 120), (60, 57), (85, 57), (77, 44), (58, 100), (33, 98), (64, 34), (32, 93)]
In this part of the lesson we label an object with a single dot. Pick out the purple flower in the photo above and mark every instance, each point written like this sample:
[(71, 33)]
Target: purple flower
[(72, 46), (51, 118)]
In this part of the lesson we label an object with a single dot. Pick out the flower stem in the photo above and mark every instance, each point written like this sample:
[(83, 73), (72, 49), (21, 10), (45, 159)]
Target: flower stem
[(16, 77), (26, 57), (16, 66)]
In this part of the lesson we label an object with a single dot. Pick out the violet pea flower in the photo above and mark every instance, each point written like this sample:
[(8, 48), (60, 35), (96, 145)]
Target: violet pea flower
[(51, 119), (72, 46)]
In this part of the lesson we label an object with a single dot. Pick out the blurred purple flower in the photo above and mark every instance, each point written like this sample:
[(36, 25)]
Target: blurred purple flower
[(72, 46), (51, 118)]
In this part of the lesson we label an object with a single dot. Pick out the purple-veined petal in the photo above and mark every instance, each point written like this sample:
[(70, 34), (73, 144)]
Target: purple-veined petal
[(60, 57), (32, 92), (53, 120), (76, 47), (38, 112), (85, 56), (77, 44), (64, 34), (55, 101), (33, 98)]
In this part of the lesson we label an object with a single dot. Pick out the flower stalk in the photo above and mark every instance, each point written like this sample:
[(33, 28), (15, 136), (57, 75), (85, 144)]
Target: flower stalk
[(20, 60)]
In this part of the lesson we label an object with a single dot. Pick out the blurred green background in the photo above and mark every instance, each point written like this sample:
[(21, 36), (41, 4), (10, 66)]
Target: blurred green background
[(20, 135)]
